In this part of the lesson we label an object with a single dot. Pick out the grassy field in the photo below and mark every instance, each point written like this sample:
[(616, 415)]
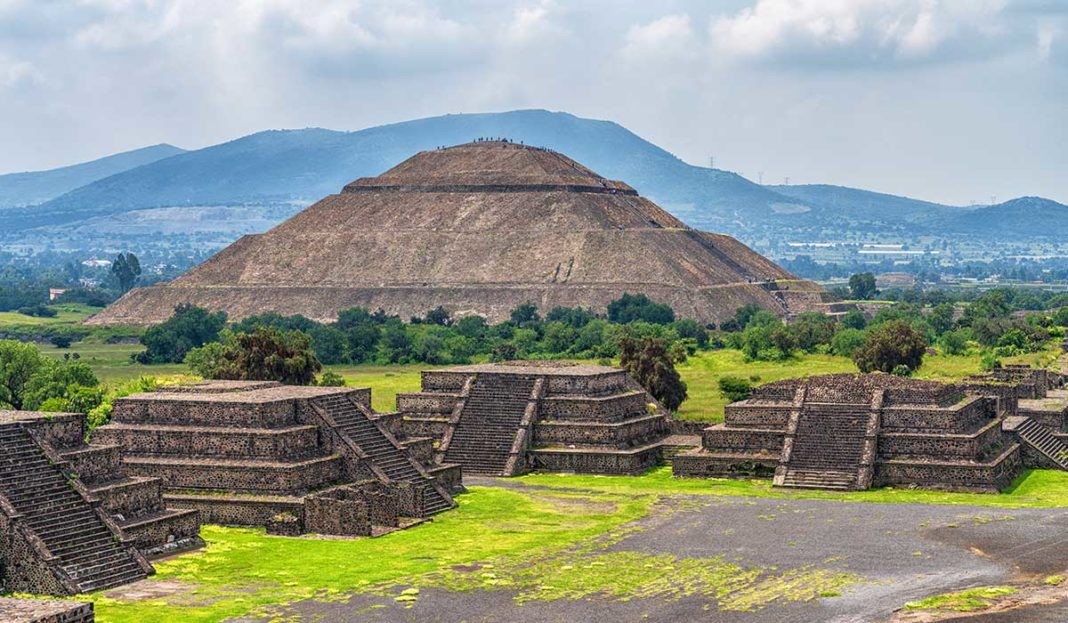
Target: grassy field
[(546, 542), (68, 314), (701, 372)]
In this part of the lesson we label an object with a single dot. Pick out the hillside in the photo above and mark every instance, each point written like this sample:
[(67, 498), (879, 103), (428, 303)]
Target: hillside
[(857, 204), (31, 188), (303, 165), (1021, 217)]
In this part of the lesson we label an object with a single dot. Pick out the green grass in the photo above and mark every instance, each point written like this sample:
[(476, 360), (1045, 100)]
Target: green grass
[(970, 600), (68, 313), (1034, 489), (385, 382)]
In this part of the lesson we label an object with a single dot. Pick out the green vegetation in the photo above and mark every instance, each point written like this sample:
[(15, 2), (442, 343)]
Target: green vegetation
[(1034, 489), (263, 354), (970, 600)]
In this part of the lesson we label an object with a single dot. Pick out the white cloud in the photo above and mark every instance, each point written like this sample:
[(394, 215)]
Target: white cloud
[(865, 29), (14, 73), (670, 37), (530, 22), (1046, 34)]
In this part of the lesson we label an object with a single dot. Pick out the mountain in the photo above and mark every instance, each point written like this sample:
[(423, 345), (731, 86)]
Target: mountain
[(1016, 218), (283, 166), (854, 203), (31, 188)]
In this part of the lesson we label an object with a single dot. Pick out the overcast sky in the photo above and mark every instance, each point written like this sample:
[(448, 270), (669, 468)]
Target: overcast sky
[(948, 100)]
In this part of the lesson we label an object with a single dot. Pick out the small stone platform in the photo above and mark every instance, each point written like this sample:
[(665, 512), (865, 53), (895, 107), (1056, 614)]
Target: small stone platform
[(293, 459), (45, 611), (509, 418), (858, 431)]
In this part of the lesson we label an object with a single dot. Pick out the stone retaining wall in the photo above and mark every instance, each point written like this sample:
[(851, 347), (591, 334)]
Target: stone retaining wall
[(628, 433)]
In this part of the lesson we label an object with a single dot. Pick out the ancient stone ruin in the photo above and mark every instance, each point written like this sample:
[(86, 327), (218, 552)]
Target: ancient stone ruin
[(478, 228), (294, 459), (510, 418), (45, 611), (72, 518), (857, 431)]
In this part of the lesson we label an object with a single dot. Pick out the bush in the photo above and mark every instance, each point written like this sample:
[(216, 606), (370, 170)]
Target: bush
[(889, 346), (649, 362), (61, 341), (190, 327), (954, 342), (734, 388), (331, 379), (847, 341), (632, 307), (265, 354), (38, 311)]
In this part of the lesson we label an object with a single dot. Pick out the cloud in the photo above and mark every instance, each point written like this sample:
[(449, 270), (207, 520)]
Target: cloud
[(1044, 40), (16, 73), (850, 31), (670, 37)]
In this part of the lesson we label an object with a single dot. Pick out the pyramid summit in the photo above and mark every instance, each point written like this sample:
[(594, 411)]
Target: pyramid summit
[(478, 228)]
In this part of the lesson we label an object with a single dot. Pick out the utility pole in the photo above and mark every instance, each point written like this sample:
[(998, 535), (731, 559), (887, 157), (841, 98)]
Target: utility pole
[(711, 162), (786, 181), (993, 199), (760, 175)]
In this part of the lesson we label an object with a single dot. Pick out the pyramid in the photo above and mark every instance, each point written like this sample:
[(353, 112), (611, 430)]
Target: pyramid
[(478, 228)]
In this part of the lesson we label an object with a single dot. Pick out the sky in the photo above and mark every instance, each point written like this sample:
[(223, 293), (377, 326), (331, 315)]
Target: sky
[(957, 101)]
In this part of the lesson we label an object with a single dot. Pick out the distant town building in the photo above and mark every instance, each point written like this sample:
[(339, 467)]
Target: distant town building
[(55, 293), (95, 263)]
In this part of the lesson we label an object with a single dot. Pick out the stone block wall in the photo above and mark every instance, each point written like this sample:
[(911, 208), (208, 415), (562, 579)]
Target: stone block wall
[(748, 414), (615, 408)]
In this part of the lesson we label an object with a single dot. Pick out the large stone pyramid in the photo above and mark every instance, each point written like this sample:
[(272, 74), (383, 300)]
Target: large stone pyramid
[(478, 228)]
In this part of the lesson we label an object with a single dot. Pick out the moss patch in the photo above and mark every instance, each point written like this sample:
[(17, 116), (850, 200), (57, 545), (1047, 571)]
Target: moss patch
[(970, 600)]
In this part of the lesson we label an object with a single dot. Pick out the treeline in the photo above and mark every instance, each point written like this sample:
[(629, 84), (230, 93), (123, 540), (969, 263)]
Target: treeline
[(362, 336)]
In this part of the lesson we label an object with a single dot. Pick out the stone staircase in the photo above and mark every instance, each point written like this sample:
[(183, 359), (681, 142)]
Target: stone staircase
[(489, 422), (85, 548), (1043, 440), (383, 451), (828, 447)]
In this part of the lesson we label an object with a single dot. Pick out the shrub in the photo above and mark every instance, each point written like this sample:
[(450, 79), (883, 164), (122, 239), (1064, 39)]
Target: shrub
[(331, 379), (648, 362), (631, 307), (889, 346), (954, 342), (847, 341), (266, 354), (734, 388), (190, 327)]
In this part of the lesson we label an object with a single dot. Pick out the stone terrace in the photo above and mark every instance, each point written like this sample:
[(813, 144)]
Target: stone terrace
[(509, 418), (294, 459), (858, 431), (45, 611), (73, 519)]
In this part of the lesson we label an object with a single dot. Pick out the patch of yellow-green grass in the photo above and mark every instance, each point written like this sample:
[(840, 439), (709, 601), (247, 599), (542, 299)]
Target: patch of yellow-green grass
[(112, 363), (244, 571), (385, 381), (963, 601), (1034, 489), (67, 313), (702, 372)]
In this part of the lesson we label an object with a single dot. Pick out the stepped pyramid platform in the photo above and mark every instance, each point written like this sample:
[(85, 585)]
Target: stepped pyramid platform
[(45, 611), (478, 228), (73, 520), (294, 459), (509, 418), (853, 432)]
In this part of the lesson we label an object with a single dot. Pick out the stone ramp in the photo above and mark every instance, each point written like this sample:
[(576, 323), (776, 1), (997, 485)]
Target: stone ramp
[(68, 535), (828, 447), (490, 422), (1042, 439), (383, 451)]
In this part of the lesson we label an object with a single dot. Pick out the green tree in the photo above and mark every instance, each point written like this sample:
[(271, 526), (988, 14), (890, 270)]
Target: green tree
[(126, 269), (190, 327), (18, 364), (890, 345), (687, 328), (954, 342), (55, 379), (812, 329), (734, 388), (862, 286), (525, 315), (631, 307), (267, 354), (649, 362), (1060, 317), (854, 319), (847, 341)]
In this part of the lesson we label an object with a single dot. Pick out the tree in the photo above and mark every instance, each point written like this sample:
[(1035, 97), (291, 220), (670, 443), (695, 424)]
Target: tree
[(265, 354), (525, 315), (890, 345), (1060, 317), (649, 362), (18, 363), (439, 316), (190, 327), (734, 388), (688, 328), (847, 341), (126, 269), (854, 319), (812, 329), (954, 342), (862, 286), (631, 307), (57, 380)]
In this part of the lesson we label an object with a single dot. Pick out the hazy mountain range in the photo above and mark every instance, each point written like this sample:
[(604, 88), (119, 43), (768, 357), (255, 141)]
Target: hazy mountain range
[(295, 167)]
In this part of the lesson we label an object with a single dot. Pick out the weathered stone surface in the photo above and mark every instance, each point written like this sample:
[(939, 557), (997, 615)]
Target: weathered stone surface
[(479, 229)]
